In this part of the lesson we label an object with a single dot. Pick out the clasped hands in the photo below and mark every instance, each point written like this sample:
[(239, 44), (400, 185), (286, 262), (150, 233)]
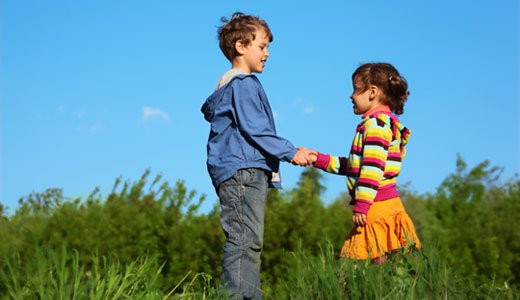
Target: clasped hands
[(304, 157)]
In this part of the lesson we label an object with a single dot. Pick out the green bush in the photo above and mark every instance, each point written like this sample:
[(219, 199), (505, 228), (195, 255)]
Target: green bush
[(468, 228)]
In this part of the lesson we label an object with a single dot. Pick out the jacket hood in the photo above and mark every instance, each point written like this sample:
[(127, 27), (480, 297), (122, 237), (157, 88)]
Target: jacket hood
[(211, 103), (396, 126), (209, 106), (405, 132)]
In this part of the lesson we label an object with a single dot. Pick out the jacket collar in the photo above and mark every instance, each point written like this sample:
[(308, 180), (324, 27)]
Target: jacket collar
[(379, 108)]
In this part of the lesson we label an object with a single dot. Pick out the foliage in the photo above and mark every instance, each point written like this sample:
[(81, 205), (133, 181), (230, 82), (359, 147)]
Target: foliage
[(147, 240), (133, 221), (474, 223), (59, 275), (415, 275)]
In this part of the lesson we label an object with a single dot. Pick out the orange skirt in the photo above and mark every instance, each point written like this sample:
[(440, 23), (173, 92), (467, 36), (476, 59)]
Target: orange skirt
[(388, 228)]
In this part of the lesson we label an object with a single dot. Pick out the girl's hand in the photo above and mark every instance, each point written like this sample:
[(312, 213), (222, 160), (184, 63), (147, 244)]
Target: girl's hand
[(359, 219)]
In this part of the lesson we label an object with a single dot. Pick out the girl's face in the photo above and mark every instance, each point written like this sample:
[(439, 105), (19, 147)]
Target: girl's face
[(360, 98), (361, 102), (364, 100)]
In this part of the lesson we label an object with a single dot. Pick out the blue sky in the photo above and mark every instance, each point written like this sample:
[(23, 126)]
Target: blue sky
[(93, 90)]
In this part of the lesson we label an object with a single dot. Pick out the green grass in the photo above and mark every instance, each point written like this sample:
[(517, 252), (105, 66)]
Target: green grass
[(416, 275), (50, 274), (58, 275)]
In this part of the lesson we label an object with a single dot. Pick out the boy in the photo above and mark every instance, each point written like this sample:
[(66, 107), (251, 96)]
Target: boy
[(244, 151)]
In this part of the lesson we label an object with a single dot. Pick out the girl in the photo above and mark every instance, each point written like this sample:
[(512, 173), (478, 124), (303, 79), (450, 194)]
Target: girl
[(381, 224)]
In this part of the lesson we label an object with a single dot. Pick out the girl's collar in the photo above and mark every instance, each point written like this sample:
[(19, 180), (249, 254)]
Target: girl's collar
[(379, 108)]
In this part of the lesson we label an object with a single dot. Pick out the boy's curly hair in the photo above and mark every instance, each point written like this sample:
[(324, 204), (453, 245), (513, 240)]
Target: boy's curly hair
[(242, 28), (387, 78)]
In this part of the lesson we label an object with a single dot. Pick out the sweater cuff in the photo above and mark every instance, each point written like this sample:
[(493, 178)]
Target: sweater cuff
[(322, 162), (361, 206)]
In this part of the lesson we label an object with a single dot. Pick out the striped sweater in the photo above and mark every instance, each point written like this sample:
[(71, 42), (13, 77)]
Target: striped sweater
[(374, 161)]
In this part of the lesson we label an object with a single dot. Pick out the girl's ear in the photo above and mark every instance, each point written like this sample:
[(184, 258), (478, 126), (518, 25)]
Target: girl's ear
[(374, 92)]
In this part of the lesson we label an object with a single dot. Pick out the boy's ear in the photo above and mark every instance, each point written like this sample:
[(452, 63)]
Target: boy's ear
[(239, 47)]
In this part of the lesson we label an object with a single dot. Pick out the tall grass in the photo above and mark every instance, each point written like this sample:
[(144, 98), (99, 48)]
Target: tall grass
[(50, 274), (415, 275), (58, 275)]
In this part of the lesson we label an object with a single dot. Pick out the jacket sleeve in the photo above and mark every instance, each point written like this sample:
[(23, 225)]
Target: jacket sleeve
[(376, 140), (332, 164), (254, 123)]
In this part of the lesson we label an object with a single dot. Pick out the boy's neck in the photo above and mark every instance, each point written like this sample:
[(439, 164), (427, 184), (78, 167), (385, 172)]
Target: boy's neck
[(237, 64)]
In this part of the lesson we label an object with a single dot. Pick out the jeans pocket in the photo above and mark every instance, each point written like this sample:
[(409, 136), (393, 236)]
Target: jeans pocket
[(233, 180), (247, 176), (241, 177)]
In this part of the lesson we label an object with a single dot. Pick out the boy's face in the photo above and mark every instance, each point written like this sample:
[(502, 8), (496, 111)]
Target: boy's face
[(255, 54)]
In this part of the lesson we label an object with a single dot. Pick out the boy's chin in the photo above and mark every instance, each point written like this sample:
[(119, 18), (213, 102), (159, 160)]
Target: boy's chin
[(259, 69)]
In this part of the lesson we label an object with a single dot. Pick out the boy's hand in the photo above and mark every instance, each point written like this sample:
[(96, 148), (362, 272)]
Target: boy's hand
[(304, 156), (359, 219)]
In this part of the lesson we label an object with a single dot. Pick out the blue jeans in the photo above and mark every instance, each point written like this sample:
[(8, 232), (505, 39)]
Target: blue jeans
[(242, 202)]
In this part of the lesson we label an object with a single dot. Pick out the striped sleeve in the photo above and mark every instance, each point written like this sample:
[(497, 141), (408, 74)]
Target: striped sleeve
[(377, 137), (332, 164)]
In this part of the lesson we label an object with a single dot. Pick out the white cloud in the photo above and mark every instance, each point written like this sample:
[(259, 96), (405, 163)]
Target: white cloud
[(91, 128), (150, 113), (275, 114), (297, 101), (309, 110), (96, 127), (304, 106), (81, 113)]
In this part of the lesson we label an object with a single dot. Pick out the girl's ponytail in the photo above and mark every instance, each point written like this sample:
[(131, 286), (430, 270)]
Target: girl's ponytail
[(397, 93)]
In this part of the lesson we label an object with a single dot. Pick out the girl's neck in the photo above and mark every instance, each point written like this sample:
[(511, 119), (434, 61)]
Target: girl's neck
[(379, 107)]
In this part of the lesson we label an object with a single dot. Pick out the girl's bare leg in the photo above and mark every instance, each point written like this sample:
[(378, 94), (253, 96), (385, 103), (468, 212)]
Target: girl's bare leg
[(379, 260)]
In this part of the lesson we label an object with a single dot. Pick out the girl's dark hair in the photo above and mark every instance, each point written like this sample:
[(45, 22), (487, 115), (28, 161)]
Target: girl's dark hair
[(387, 78), (242, 28)]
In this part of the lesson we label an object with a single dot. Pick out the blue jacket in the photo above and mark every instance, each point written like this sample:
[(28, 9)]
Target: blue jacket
[(243, 133)]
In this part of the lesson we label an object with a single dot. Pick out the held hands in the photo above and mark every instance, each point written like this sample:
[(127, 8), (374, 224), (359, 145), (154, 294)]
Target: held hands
[(304, 157), (359, 219)]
